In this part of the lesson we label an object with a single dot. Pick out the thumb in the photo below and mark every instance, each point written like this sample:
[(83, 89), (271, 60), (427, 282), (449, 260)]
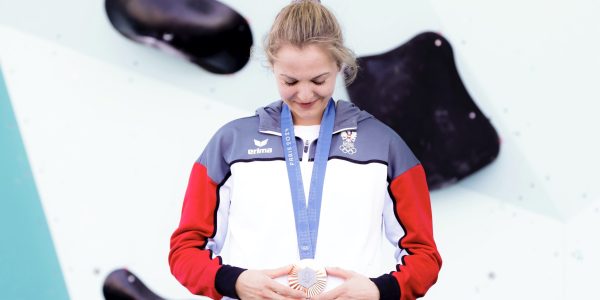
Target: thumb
[(273, 273), (339, 272)]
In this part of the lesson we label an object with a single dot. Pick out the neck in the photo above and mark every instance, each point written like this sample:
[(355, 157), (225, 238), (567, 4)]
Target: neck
[(306, 122)]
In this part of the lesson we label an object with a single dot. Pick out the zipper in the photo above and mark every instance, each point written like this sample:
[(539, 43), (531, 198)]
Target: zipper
[(306, 146)]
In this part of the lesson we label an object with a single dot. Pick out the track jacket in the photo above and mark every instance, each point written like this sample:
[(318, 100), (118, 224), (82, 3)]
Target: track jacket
[(237, 212)]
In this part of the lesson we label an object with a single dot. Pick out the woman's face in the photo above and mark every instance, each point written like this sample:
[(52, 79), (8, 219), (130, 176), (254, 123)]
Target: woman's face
[(306, 80)]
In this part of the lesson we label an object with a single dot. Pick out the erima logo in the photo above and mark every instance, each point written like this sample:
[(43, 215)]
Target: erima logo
[(258, 143), (259, 149)]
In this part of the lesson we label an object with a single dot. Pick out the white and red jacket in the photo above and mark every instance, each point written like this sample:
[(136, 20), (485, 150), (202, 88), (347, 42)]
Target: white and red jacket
[(237, 212)]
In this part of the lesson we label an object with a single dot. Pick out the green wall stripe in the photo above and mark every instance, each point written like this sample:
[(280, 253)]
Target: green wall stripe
[(29, 267)]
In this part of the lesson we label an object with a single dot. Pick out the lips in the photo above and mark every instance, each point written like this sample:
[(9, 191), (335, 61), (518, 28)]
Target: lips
[(306, 105)]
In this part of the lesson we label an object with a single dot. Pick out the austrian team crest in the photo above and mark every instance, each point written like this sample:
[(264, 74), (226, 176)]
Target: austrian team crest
[(348, 139)]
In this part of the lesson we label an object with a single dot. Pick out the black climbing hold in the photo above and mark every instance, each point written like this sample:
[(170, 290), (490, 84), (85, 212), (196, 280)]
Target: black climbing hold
[(206, 32), (121, 284), (416, 90)]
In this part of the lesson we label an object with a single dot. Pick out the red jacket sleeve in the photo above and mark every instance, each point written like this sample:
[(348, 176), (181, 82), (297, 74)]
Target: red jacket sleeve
[(419, 268), (191, 262)]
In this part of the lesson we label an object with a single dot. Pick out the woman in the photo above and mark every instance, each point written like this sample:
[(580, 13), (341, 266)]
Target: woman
[(244, 222)]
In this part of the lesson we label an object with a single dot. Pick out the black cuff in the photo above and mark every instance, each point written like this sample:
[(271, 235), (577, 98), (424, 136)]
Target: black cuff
[(388, 287), (225, 280)]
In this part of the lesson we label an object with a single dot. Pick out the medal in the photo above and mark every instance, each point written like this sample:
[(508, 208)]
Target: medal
[(308, 277)]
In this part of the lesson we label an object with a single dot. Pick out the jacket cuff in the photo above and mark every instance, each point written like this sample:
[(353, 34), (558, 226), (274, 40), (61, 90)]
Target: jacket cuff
[(388, 287), (225, 280)]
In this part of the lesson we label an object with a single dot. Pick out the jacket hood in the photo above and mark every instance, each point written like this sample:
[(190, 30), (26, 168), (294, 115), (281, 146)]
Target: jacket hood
[(347, 116)]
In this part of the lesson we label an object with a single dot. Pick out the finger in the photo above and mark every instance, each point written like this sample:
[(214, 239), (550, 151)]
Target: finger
[(285, 290), (273, 273), (273, 295), (339, 272), (333, 294), (294, 295)]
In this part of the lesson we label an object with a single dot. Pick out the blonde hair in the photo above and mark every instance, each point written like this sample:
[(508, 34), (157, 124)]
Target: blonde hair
[(305, 22)]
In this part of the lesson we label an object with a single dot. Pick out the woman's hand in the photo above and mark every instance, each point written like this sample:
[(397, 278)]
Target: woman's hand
[(356, 286), (259, 284)]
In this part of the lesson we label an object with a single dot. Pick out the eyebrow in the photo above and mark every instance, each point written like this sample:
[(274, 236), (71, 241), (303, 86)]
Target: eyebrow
[(316, 77)]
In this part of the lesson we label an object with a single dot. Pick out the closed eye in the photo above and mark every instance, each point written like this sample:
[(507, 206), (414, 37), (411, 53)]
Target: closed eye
[(290, 83)]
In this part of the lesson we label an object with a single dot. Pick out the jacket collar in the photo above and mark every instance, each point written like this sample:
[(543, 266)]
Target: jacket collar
[(347, 116)]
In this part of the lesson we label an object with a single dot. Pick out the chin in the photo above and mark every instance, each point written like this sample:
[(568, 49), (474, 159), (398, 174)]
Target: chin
[(309, 118)]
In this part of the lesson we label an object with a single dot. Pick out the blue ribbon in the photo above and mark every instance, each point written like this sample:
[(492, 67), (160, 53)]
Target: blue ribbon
[(307, 216)]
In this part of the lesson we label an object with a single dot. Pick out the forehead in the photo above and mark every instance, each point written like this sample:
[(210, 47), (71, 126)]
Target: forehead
[(310, 60)]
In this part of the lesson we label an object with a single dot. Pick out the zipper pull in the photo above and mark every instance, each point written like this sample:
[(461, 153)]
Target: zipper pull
[(306, 144)]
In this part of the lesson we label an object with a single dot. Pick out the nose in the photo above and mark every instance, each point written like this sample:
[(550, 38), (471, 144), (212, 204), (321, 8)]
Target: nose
[(305, 93)]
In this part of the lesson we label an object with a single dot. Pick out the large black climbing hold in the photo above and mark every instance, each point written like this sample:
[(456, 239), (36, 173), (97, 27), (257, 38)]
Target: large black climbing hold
[(121, 284), (206, 32), (416, 90)]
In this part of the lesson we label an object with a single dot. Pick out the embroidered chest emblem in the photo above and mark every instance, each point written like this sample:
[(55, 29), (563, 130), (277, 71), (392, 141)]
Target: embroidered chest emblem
[(348, 139)]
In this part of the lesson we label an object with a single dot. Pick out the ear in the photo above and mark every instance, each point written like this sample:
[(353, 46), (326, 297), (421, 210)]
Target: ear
[(339, 64)]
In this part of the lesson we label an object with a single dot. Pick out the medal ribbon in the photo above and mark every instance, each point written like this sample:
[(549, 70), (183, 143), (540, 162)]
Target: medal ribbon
[(306, 216)]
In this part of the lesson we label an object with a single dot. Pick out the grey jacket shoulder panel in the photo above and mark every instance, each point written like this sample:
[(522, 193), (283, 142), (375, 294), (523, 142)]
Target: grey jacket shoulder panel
[(238, 140), (374, 142)]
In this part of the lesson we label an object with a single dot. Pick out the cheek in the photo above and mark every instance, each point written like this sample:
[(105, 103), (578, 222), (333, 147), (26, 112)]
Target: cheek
[(286, 92), (325, 90)]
